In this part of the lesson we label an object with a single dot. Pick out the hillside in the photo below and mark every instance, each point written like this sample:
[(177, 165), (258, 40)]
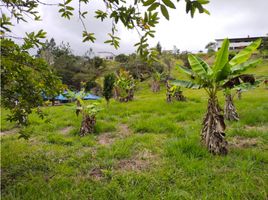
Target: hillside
[(145, 149)]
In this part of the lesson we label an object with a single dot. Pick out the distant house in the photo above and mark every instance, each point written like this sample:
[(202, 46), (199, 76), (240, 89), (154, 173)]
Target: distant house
[(106, 55), (238, 43)]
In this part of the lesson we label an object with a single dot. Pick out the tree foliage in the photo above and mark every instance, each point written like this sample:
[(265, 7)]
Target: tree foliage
[(73, 69), (159, 48), (108, 85), (122, 58), (211, 46), (23, 81)]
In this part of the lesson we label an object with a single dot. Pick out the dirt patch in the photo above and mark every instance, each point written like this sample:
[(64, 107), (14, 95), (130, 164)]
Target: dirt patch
[(66, 130), (105, 139), (257, 128), (124, 131), (242, 142), (9, 132), (140, 162), (96, 173)]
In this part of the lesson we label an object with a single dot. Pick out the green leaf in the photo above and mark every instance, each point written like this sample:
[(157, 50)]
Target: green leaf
[(206, 11), (224, 73), (188, 6), (193, 11), (67, 2), (169, 3), (186, 84), (205, 66), (69, 8), (222, 58), (245, 54), (164, 12), (197, 67), (203, 1), (149, 2), (242, 67), (185, 70), (153, 6)]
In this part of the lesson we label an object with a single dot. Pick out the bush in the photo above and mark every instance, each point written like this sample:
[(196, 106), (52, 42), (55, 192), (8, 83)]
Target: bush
[(108, 85), (122, 58)]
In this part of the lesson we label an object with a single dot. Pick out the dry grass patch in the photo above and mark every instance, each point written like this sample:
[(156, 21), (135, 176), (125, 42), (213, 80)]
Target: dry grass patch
[(66, 130), (106, 139), (140, 162), (124, 131), (242, 142), (9, 132), (263, 128)]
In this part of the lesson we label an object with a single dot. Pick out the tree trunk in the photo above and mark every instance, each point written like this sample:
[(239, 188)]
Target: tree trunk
[(53, 101), (87, 125), (212, 133), (179, 96), (229, 109), (155, 86)]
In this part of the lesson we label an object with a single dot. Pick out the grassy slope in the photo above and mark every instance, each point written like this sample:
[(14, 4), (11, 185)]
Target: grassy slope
[(162, 138)]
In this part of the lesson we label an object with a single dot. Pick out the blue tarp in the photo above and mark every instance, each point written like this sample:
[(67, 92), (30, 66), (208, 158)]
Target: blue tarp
[(91, 97), (62, 97)]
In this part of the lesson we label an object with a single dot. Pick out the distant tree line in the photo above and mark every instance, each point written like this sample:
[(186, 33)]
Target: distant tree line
[(71, 68)]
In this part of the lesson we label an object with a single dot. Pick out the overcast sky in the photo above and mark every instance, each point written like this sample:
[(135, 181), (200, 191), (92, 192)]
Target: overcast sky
[(229, 18)]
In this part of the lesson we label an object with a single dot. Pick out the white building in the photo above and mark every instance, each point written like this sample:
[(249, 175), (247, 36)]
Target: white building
[(238, 43), (106, 55)]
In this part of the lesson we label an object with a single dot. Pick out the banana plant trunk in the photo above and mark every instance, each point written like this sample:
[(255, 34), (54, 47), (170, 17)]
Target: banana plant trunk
[(212, 134), (128, 97), (229, 109), (239, 94), (155, 87), (87, 125), (179, 96), (131, 94), (168, 93)]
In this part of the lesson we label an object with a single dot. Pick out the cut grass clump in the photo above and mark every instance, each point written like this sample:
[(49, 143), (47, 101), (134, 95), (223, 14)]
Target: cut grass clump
[(154, 124), (185, 147), (103, 126), (58, 139)]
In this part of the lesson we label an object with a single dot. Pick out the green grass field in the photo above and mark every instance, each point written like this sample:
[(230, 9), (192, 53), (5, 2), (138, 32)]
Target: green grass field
[(145, 149)]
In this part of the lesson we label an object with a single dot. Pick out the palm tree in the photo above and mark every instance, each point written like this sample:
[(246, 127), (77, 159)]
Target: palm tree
[(212, 80)]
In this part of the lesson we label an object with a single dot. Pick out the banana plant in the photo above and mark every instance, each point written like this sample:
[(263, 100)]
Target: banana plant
[(177, 93), (157, 77), (212, 79), (88, 111), (240, 83), (124, 86)]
